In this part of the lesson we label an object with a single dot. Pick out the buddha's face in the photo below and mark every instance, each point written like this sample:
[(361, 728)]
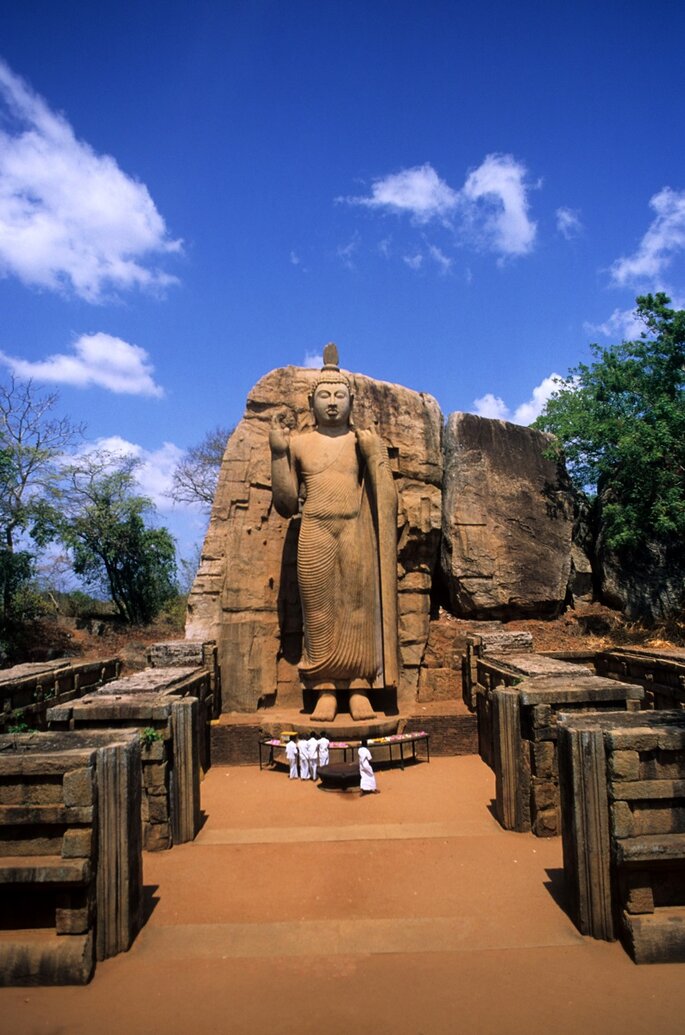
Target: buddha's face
[(332, 404)]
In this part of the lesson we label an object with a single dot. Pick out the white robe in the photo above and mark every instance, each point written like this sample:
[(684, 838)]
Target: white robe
[(367, 781), (303, 752), (324, 757), (291, 755), (313, 746)]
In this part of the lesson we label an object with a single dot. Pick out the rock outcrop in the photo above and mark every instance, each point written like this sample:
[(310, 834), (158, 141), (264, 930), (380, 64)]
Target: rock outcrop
[(246, 596), (507, 521)]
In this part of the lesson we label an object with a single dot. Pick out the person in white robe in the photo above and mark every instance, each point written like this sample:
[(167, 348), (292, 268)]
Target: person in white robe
[(323, 743), (313, 746), (367, 780), (303, 754), (291, 755)]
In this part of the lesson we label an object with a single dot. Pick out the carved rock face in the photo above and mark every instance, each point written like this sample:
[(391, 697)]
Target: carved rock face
[(507, 520), (246, 594)]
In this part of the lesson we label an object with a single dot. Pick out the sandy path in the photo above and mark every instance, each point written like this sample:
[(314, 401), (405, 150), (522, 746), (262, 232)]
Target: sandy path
[(410, 911)]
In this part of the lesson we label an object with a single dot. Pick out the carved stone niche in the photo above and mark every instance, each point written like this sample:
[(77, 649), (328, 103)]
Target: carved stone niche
[(245, 595)]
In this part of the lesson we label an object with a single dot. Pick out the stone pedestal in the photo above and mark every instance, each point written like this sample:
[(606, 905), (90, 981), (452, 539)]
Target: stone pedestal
[(524, 742), (622, 781), (169, 708), (70, 853)]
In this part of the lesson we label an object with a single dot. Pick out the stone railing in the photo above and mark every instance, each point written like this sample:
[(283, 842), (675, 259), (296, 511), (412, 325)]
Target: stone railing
[(27, 691), (524, 739), (661, 673), (169, 707), (622, 780), (71, 863)]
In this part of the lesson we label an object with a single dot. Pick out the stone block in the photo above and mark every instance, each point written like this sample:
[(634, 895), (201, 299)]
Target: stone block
[(624, 765), (621, 819), (78, 787), (77, 843), (543, 757)]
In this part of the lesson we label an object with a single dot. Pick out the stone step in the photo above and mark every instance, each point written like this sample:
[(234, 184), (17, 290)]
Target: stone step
[(43, 869), (657, 937), (42, 957), (651, 848)]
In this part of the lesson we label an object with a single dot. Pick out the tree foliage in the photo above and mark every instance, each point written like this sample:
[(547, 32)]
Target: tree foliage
[(102, 523), (195, 477), (620, 423), (32, 441)]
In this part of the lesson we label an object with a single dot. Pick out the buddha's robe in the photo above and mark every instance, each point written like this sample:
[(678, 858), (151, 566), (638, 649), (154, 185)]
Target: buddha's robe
[(338, 573)]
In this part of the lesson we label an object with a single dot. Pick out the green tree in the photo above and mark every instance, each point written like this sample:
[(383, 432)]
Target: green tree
[(32, 442), (102, 522), (620, 423)]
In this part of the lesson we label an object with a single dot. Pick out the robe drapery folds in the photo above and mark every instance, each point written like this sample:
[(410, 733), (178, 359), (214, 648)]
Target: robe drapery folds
[(347, 538)]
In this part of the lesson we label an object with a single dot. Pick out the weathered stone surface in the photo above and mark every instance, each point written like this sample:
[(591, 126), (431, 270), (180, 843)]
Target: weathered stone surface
[(624, 846), (507, 520), (246, 595)]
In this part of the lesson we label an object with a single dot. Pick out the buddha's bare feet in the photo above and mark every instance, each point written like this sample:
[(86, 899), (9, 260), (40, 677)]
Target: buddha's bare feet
[(360, 706), (326, 707)]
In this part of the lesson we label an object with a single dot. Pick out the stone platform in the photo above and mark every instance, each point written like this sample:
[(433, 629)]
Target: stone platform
[(452, 729)]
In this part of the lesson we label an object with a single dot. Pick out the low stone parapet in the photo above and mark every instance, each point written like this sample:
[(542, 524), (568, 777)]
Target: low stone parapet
[(168, 708), (661, 673), (496, 641), (70, 853), (511, 669), (622, 781), (524, 742), (191, 654), (27, 691)]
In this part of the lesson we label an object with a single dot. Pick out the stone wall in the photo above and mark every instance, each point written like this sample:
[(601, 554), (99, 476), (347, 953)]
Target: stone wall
[(27, 691), (661, 673), (245, 595)]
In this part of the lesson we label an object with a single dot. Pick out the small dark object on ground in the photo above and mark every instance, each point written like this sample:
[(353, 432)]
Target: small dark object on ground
[(339, 776)]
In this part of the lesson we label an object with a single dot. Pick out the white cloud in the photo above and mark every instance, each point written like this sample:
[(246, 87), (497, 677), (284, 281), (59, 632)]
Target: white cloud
[(346, 252), (154, 470), (490, 210), (568, 223), (494, 407), (498, 193), (528, 411), (418, 191), (623, 324), (443, 261), (70, 218), (414, 262), (97, 360), (663, 239), (313, 360), (294, 259)]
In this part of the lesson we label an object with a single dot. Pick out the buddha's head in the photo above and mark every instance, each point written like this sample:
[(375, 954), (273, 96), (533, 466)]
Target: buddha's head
[(331, 400)]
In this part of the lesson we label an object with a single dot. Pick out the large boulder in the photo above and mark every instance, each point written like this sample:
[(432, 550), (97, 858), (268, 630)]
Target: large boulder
[(647, 583), (507, 520), (245, 595)]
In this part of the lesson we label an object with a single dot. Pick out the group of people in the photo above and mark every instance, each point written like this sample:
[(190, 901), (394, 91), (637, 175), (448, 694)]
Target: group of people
[(306, 754)]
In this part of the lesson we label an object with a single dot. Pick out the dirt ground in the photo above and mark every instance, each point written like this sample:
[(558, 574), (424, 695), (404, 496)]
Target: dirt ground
[(304, 911)]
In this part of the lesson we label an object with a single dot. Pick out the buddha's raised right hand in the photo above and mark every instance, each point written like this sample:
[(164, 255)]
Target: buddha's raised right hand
[(279, 435)]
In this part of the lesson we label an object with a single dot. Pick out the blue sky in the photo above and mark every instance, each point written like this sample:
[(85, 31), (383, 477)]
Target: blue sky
[(462, 195)]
